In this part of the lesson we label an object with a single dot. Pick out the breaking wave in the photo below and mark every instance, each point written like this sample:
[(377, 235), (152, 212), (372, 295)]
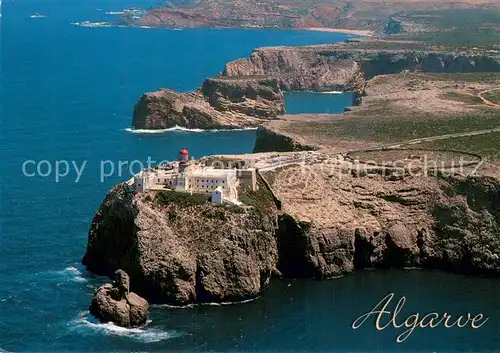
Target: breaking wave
[(95, 24), (179, 128), (190, 306), (71, 273), (85, 321)]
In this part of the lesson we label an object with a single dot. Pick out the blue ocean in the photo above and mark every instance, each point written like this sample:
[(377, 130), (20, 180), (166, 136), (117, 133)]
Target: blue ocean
[(67, 95)]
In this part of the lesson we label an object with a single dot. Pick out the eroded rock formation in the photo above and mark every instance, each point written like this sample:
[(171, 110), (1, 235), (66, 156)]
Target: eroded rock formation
[(115, 303), (220, 103), (331, 226), (338, 67), (249, 91), (181, 249)]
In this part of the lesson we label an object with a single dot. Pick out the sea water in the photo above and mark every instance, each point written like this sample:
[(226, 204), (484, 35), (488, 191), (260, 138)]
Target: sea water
[(318, 102), (67, 94)]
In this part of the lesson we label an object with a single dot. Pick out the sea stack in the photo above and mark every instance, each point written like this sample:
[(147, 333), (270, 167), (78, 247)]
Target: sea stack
[(114, 302)]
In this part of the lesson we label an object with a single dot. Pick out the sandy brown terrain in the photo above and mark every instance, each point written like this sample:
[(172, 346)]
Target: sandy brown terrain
[(414, 105), (352, 15)]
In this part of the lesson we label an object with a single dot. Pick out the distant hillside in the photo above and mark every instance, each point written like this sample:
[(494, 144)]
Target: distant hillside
[(355, 14)]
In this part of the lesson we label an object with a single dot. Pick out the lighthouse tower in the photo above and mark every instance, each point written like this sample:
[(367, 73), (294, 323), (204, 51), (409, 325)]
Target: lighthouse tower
[(183, 160)]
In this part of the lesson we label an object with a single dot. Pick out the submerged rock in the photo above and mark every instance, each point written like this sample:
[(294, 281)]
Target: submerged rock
[(114, 302)]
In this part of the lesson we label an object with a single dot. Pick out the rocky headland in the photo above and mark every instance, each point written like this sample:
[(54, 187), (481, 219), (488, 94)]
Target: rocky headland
[(249, 92), (224, 102), (330, 220), (181, 249), (322, 14), (320, 211)]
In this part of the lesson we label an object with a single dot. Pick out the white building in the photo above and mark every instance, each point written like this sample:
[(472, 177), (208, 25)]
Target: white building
[(208, 179), (218, 195), (144, 180), (184, 176)]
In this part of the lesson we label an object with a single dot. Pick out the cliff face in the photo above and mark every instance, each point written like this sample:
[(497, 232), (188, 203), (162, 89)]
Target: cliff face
[(180, 249), (298, 69), (324, 68), (260, 98), (268, 140), (221, 103), (249, 91), (330, 227), (286, 14)]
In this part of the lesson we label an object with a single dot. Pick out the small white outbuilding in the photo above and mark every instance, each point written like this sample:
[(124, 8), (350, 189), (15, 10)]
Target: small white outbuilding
[(218, 195)]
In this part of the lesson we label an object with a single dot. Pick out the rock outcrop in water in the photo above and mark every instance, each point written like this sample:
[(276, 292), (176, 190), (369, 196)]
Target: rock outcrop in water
[(181, 249), (220, 103), (115, 303)]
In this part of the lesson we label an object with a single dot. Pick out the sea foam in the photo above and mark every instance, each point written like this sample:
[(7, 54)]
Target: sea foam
[(84, 322), (183, 129), (190, 306), (70, 273)]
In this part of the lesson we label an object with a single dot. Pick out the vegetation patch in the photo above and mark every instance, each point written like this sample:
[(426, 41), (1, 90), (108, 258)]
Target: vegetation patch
[(462, 97), (479, 77), (493, 96), (180, 198), (486, 145), (260, 199), (458, 27), (215, 213)]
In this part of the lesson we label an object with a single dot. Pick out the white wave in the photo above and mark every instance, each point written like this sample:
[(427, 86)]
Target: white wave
[(143, 334), (92, 24), (190, 306), (179, 128), (75, 274), (37, 15), (114, 12), (72, 269), (69, 273)]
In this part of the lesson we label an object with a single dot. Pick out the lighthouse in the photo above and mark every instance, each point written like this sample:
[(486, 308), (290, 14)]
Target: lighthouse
[(183, 160)]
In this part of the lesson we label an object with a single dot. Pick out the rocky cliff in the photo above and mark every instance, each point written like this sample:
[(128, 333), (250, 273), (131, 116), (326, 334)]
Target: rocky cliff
[(332, 226), (181, 249), (338, 67), (353, 14), (220, 103), (249, 91), (267, 140)]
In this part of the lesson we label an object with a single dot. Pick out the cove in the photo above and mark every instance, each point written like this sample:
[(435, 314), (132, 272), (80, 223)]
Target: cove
[(318, 102)]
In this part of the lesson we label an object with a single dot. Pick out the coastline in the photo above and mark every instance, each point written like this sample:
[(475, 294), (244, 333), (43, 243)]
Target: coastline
[(359, 32)]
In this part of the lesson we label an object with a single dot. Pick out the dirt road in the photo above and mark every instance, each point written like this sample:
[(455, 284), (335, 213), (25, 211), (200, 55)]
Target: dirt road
[(487, 101)]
